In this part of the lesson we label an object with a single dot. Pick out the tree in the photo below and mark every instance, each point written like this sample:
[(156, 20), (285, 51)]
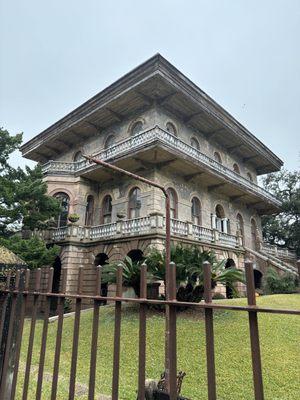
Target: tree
[(23, 194), (24, 204), (33, 251), (283, 229)]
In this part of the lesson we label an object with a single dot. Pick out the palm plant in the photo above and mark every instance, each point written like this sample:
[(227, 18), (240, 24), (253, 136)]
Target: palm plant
[(131, 273), (189, 271)]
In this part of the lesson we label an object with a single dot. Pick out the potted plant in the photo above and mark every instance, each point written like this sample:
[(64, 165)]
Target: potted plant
[(73, 218)]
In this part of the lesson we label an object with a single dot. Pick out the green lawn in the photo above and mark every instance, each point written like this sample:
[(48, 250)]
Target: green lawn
[(280, 347)]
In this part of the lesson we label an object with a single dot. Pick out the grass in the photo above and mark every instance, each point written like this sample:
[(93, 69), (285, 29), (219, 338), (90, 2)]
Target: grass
[(280, 350)]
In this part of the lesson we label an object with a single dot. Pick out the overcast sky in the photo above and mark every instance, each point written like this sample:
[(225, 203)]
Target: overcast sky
[(245, 54)]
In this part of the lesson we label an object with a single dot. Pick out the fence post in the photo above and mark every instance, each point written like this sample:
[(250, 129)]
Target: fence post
[(5, 389), (44, 336), (254, 335), (93, 360), (76, 335), (3, 312), (172, 334), (24, 305), (209, 331), (142, 333), (60, 311), (117, 335), (32, 332)]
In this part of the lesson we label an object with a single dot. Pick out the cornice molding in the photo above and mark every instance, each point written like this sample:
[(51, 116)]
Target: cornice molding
[(160, 67)]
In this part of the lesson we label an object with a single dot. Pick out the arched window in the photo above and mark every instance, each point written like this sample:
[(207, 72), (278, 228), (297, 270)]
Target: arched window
[(196, 211), (78, 156), (171, 128), (106, 209), (64, 200), (217, 157), (110, 141), (134, 205), (89, 212), (240, 224), (249, 176), (173, 203), (136, 128), (221, 223), (195, 143), (236, 168)]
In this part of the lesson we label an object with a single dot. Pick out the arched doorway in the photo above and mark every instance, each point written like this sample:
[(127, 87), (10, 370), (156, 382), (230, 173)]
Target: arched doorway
[(196, 211), (134, 205), (229, 264), (257, 278), (106, 210), (89, 212), (64, 200), (56, 282), (253, 233), (136, 255), (221, 223), (173, 203), (101, 259)]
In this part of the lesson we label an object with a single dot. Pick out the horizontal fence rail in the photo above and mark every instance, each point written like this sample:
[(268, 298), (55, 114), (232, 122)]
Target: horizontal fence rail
[(16, 295)]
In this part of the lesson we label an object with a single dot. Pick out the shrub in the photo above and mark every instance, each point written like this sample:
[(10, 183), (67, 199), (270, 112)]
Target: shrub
[(275, 284)]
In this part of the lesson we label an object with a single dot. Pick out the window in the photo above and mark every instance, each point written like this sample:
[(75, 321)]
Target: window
[(78, 156), (249, 176), (221, 223), (110, 141), (106, 209), (134, 203), (171, 128), (195, 143), (196, 211), (240, 224), (173, 202), (236, 168), (136, 128), (217, 157), (64, 200), (89, 212)]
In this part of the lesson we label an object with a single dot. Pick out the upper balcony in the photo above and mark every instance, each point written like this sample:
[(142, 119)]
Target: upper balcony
[(156, 146)]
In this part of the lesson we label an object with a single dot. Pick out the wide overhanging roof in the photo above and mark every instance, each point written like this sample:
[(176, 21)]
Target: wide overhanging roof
[(154, 82)]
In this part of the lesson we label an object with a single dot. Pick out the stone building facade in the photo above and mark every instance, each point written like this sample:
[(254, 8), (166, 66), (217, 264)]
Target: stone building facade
[(157, 123)]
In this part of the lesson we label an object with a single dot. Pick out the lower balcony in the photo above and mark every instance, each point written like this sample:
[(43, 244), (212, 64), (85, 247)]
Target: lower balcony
[(153, 224)]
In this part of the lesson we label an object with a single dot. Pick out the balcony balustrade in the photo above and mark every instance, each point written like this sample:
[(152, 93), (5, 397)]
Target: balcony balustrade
[(158, 135), (279, 252), (153, 224)]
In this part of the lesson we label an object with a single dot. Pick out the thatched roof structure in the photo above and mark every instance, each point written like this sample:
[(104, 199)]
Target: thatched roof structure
[(9, 259)]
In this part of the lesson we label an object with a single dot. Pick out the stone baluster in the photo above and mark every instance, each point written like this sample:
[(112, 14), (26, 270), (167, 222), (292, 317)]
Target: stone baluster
[(213, 221), (216, 236)]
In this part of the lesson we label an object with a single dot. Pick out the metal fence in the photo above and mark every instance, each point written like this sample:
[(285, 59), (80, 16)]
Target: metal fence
[(18, 296)]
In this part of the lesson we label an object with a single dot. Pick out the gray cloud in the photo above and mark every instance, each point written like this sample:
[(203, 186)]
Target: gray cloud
[(245, 54)]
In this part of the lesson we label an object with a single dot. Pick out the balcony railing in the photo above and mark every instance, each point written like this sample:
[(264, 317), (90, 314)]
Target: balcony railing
[(154, 224), (279, 252), (148, 137)]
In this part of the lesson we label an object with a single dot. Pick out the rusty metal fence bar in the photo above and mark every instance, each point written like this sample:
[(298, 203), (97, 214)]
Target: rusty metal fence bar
[(8, 385)]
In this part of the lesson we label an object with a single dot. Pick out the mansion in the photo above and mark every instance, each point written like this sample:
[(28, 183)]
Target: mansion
[(156, 123)]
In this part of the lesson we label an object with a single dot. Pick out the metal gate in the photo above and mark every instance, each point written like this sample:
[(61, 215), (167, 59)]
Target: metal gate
[(18, 296)]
